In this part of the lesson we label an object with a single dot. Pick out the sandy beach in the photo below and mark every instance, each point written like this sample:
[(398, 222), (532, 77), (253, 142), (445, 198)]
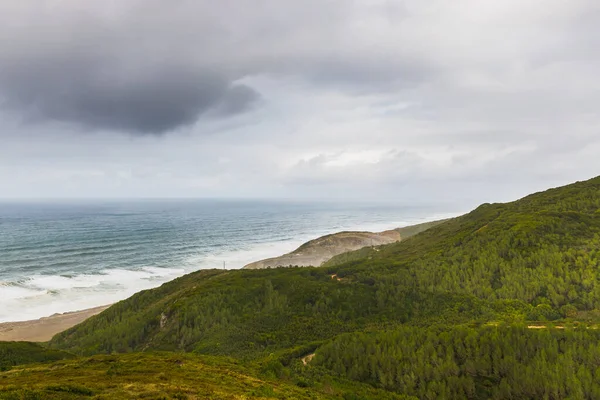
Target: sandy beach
[(43, 329)]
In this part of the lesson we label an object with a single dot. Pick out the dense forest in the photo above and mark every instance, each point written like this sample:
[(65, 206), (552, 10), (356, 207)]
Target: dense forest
[(464, 309), (468, 363)]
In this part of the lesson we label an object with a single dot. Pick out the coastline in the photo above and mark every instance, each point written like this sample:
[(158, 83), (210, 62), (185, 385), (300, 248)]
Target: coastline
[(43, 329), (34, 296), (316, 252)]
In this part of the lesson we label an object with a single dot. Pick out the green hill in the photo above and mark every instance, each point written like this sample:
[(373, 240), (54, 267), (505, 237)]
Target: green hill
[(536, 258), (469, 288), (17, 353), (366, 251), (340, 245), (165, 376)]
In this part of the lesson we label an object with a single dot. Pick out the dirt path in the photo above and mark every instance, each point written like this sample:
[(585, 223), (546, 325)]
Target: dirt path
[(544, 326)]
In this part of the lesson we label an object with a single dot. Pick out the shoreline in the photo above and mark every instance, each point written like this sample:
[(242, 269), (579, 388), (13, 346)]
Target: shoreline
[(124, 282), (317, 252), (43, 329)]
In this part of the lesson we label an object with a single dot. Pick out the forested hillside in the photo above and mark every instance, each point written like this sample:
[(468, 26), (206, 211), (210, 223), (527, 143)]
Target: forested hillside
[(535, 259), (462, 362), (447, 313), (543, 249)]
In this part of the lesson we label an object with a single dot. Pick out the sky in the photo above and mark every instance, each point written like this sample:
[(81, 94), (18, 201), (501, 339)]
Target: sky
[(463, 101)]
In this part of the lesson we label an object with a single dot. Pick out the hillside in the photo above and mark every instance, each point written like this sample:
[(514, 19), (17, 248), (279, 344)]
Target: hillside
[(318, 251), (164, 376), (366, 251), (17, 353), (540, 253), (443, 314)]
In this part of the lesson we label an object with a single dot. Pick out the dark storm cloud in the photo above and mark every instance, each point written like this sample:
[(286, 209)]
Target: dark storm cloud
[(237, 99), (152, 66), (100, 95)]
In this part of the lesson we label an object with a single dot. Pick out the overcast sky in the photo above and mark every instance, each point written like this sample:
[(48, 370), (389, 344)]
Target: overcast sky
[(467, 100)]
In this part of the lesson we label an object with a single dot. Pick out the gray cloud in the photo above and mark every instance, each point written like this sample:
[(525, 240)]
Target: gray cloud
[(101, 93), (311, 98), (151, 67), (155, 104)]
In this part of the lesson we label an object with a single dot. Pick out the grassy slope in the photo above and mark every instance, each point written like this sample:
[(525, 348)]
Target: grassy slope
[(16, 353), (162, 376)]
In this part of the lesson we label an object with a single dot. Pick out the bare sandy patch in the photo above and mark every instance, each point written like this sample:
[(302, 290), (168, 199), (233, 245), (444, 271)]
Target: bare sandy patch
[(43, 329)]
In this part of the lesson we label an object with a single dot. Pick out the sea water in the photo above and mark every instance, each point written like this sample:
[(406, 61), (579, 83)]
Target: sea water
[(64, 256)]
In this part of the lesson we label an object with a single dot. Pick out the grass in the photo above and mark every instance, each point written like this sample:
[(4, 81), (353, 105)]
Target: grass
[(165, 375), (15, 353), (149, 376)]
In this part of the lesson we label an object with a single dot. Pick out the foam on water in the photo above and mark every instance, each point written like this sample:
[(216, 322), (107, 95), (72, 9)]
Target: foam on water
[(44, 295), (14, 292), (235, 259)]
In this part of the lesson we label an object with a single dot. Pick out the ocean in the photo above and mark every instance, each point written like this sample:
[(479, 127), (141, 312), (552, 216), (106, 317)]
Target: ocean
[(65, 256)]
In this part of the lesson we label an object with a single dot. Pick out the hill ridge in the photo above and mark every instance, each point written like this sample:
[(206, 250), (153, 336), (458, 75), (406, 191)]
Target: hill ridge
[(471, 286), (318, 251)]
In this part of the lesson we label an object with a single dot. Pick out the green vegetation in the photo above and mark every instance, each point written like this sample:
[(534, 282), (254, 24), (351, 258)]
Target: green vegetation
[(413, 230), (466, 363), (250, 313), (443, 314), (16, 353), (366, 252), (162, 376), (536, 258)]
